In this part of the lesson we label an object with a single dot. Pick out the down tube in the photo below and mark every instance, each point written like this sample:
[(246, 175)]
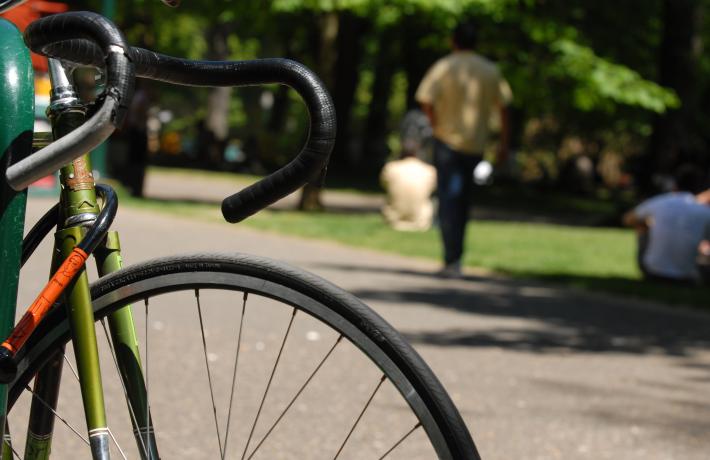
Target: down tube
[(16, 120)]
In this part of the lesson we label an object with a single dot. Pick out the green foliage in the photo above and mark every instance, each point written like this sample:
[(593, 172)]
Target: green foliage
[(601, 82), (578, 69), (182, 34), (363, 94), (243, 49), (398, 103), (560, 51), (318, 5)]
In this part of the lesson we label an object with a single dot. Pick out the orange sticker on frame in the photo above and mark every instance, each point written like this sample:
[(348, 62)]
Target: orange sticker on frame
[(44, 301)]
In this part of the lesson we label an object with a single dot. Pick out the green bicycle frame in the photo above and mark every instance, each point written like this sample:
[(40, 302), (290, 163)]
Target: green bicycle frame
[(16, 121), (125, 344), (78, 203), (78, 208)]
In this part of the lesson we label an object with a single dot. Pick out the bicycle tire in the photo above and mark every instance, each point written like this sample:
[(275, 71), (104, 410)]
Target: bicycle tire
[(287, 285)]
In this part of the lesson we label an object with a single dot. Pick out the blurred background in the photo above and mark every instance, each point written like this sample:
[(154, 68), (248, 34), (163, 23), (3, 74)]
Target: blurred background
[(610, 98)]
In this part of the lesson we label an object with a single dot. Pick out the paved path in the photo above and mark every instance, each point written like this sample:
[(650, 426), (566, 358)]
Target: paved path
[(537, 372)]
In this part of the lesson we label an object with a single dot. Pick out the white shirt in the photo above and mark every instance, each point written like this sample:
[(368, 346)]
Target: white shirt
[(677, 224)]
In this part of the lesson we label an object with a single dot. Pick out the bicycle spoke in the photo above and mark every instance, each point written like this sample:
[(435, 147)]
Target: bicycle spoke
[(14, 452), (117, 445), (357, 421), (234, 376), (268, 385), (73, 371), (401, 440), (125, 392), (7, 439), (44, 403), (207, 364), (303, 387), (296, 382)]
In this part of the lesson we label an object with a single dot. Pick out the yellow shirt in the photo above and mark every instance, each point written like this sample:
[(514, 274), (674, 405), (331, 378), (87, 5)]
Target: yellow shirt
[(463, 89)]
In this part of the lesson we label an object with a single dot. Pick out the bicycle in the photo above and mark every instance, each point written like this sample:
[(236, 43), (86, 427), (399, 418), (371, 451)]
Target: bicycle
[(222, 293)]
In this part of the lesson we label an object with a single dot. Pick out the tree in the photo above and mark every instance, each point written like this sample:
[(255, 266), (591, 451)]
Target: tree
[(584, 74), (674, 139)]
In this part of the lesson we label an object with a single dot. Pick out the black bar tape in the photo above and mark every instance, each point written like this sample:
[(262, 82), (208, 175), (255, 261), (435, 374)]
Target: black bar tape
[(312, 159), (314, 156), (79, 51), (81, 26)]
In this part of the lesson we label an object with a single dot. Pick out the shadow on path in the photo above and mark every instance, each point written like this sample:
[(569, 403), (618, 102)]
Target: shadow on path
[(552, 319)]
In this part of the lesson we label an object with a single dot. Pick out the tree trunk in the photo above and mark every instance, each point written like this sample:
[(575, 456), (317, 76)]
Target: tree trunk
[(416, 60), (279, 111), (673, 140), (350, 49), (375, 149), (216, 123), (326, 57)]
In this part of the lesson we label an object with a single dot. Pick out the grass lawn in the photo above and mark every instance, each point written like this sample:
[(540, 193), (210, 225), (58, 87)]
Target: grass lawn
[(509, 247), (597, 259)]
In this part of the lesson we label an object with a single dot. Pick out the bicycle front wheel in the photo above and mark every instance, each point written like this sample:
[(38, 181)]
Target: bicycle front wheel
[(245, 357)]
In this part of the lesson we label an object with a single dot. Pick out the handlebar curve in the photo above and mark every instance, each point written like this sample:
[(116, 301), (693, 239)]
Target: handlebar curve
[(313, 157), (114, 53)]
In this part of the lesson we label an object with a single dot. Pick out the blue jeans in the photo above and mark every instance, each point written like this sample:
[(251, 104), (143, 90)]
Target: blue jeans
[(454, 187)]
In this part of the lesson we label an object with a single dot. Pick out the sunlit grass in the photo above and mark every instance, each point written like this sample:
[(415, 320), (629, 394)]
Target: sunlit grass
[(508, 247)]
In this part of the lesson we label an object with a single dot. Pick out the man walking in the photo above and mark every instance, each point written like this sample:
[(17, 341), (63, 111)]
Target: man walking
[(459, 93)]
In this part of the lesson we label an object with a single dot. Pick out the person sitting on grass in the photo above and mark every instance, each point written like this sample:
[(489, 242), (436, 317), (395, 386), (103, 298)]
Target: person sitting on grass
[(673, 229), (409, 183)]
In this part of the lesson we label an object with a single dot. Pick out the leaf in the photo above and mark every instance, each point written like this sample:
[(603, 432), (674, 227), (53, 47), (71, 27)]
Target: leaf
[(600, 81)]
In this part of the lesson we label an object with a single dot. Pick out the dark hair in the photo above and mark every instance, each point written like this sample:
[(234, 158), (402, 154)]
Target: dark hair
[(465, 35), (690, 178)]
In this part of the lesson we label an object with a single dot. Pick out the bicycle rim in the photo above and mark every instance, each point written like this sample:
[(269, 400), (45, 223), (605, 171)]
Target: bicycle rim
[(290, 367)]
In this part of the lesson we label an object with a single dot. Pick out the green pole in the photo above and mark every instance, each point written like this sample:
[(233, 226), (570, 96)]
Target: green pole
[(16, 121), (109, 8)]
